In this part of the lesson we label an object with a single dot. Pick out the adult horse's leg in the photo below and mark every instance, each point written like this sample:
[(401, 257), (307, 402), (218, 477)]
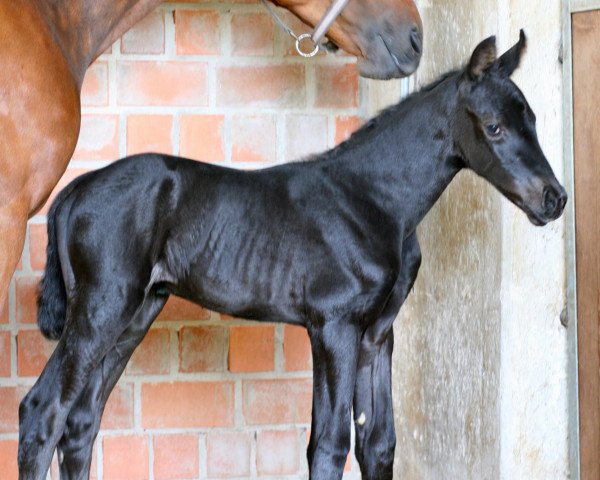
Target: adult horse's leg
[(84, 418), (13, 222), (93, 327), (335, 356), (39, 124), (374, 418)]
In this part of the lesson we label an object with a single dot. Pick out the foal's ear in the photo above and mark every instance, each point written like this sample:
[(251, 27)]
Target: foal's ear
[(509, 62), (483, 58)]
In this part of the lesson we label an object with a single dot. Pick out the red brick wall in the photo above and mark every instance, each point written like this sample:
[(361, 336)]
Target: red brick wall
[(205, 396)]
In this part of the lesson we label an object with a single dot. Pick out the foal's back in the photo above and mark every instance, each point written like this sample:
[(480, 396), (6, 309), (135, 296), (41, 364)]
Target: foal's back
[(253, 244)]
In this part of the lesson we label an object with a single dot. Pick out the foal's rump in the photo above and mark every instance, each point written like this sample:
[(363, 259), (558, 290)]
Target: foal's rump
[(105, 220), (52, 300)]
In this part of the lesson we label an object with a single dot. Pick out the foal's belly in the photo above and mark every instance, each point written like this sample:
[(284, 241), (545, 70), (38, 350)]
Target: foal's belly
[(300, 292), (249, 285)]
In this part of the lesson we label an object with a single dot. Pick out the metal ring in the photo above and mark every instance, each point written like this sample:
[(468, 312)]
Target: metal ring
[(299, 41)]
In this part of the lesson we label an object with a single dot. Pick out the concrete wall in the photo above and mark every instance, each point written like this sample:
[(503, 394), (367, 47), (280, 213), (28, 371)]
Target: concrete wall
[(481, 357)]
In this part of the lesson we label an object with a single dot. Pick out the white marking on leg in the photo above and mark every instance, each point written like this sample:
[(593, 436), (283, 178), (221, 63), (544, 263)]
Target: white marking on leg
[(362, 419)]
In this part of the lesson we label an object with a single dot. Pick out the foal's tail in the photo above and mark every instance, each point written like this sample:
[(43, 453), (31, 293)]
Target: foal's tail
[(52, 295)]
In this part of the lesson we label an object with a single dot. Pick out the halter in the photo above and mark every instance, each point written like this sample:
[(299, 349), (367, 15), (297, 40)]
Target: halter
[(334, 11)]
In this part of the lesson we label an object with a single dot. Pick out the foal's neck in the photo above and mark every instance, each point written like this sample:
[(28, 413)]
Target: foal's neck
[(406, 157)]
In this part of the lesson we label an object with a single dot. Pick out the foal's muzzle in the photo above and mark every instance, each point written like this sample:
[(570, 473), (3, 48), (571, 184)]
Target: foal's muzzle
[(554, 200)]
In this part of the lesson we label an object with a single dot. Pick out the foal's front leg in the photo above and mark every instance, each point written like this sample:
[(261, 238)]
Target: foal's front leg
[(335, 354), (373, 406)]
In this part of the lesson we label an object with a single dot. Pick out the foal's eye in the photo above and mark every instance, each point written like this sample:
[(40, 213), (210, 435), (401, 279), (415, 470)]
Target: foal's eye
[(493, 130)]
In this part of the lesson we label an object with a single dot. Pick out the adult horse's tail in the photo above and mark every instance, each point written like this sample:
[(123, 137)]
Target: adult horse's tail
[(52, 295)]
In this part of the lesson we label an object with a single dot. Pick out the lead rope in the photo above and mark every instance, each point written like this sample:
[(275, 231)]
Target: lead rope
[(318, 33)]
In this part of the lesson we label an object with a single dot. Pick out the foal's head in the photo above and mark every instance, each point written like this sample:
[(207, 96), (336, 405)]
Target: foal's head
[(495, 133), (385, 35)]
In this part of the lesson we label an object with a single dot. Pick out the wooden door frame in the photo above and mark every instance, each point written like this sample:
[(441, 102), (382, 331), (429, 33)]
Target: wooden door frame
[(569, 7)]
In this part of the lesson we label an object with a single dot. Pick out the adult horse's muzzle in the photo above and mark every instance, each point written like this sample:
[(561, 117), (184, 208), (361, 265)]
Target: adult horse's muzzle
[(391, 53)]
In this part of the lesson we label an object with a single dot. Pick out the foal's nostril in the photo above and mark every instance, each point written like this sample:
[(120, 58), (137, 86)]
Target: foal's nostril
[(550, 200), (562, 201), (416, 41), (554, 201)]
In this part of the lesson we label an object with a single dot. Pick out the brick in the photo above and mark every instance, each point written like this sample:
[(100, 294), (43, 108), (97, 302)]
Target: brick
[(345, 126), (10, 397), (197, 32), (187, 405), (126, 458), (337, 86), (54, 467), (228, 454), (26, 295), (94, 91), (162, 83), (67, 177), (277, 452), (176, 457), (182, 310), (305, 135), (8, 459), (252, 348), (98, 138), (261, 86), (202, 349), (201, 137), (38, 241), (252, 34), (277, 401), (152, 356), (33, 352), (149, 133), (348, 464), (297, 353), (118, 413), (146, 36), (94, 464), (4, 308), (254, 138), (5, 354)]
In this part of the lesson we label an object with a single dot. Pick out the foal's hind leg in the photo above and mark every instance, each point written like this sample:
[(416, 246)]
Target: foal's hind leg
[(93, 326), (373, 412), (84, 418), (335, 354)]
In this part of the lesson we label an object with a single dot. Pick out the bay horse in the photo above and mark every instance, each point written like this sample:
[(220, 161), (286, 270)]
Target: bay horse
[(328, 244), (46, 47)]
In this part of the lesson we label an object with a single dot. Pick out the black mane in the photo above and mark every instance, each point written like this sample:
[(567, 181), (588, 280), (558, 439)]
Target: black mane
[(386, 116)]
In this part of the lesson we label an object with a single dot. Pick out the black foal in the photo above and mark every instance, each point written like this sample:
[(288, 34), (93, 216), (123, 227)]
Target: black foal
[(329, 244)]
